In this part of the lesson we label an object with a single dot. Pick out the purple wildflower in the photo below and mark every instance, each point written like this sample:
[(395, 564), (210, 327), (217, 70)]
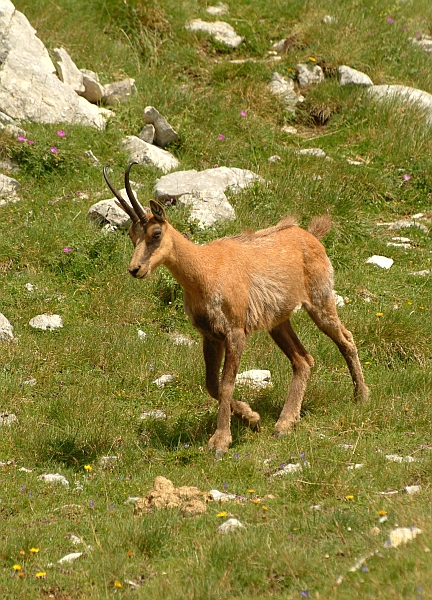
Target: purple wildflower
[(21, 138), (225, 486), (61, 133), (236, 455), (111, 506), (390, 20), (242, 113), (407, 176), (30, 142), (221, 136), (91, 504), (304, 593), (67, 249), (53, 149)]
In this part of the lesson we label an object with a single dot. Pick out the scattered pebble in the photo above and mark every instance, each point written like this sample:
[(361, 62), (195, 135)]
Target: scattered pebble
[(46, 322), (131, 499), (356, 466), (400, 459), (69, 558), (412, 489), (400, 536), (221, 496), (54, 478), (142, 334), (389, 493), (107, 462), (315, 507), (375, 531), (380, 261), (287, 470), (275, 158), (405, 224), (8, 418), (163, 380), (153, 414), (312, 152), (346, 446), (422, 273), (289, 129), (230, 525), (182, 340), (25, 470), (31, 381), (256, 378), (30, 287)]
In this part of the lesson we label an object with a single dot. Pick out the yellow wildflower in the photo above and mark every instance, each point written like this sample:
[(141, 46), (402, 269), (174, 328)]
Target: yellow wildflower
[(17, 567), (382, 513), (88, 468), (118, 584), (40, 575), (349, 497), (34, 550), (222, 514)]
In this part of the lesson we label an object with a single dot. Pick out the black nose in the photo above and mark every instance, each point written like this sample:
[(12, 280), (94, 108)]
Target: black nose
[(134, 271)]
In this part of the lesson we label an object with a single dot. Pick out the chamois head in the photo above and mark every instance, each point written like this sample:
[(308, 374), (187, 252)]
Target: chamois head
[(147, 232)]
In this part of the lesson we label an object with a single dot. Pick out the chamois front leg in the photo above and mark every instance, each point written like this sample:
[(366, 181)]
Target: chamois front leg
[(234, 346), (213, 353)]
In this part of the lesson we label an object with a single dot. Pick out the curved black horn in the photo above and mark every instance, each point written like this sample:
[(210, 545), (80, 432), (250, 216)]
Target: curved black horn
[(128, 209), (137, 206)]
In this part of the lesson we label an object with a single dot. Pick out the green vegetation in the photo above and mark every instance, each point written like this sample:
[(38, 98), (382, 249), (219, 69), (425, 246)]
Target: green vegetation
[(94, 376)]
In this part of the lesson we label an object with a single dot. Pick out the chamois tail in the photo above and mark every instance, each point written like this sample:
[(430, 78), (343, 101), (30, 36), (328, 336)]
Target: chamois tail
[(320, 226)]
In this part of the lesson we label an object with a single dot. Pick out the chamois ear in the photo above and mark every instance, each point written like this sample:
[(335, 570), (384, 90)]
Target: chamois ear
[(158, 211)]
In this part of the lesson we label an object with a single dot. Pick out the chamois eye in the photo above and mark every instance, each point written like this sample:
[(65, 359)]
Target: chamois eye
[(156, 233)]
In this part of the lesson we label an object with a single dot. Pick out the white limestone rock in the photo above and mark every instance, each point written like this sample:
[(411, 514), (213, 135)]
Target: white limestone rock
[(284, 88), (8, 418), (163, 380), (424, 42), (408, 95), (46, 322), (309, 74), (380, 261), (256, 378), (9, 188), (219, 9), (347, 76), (230, 525), (67, 71), (69, 558), (148, 155), (220, 179), (54, 478), (207, 208), (312, 152), (93, 90), (6, 330), (164, 133), (118, 91), (147, 134), (29, 87), (108, 211), (401, 536), (221, 31), (154, 414)]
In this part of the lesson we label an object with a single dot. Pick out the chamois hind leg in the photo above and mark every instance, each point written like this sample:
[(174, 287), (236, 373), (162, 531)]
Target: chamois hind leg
[(302, 362), (213, 353), (324, 315), (234, 346)]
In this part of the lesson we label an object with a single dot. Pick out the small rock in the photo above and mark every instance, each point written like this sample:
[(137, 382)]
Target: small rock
[(349, 76), (398, 245), (230, 525), (8, 190), (6, 330), (400, 459), (222, 32), (354, 162), (312, 152), (315, 507), (93, 90), (153, 414), (29, 287), (380, 261), (329, 20), (118, 91), (25, 470), (108, 211), (284, 89), (8, 418), (219, 9), (422, 273), (142, 335), (346, 446), (107, 462), (275, 158), (375, 531), (355, 466), (54, 478), (404, 95), (131, 499), (164, 133), (309, 74), (418, 216), (389, 493), (412, 489), (290, 130), (340, 302), (67, 71), (69, 558), (221, 496), (401, 536), (148, 155), (256, 378), (181, 340), (401, 239), (405, 224), (32, 381), (163, 380), (46, 322), (287, 470), (424, 42), (147, 134)]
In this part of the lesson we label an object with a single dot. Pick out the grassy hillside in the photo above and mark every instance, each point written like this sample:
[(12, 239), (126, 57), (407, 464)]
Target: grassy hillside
[(94, 376)]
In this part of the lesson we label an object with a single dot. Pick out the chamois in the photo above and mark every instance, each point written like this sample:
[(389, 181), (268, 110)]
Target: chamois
[(236, 285)]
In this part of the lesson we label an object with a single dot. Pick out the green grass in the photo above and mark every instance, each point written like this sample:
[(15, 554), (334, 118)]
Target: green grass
[(94, 376)]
